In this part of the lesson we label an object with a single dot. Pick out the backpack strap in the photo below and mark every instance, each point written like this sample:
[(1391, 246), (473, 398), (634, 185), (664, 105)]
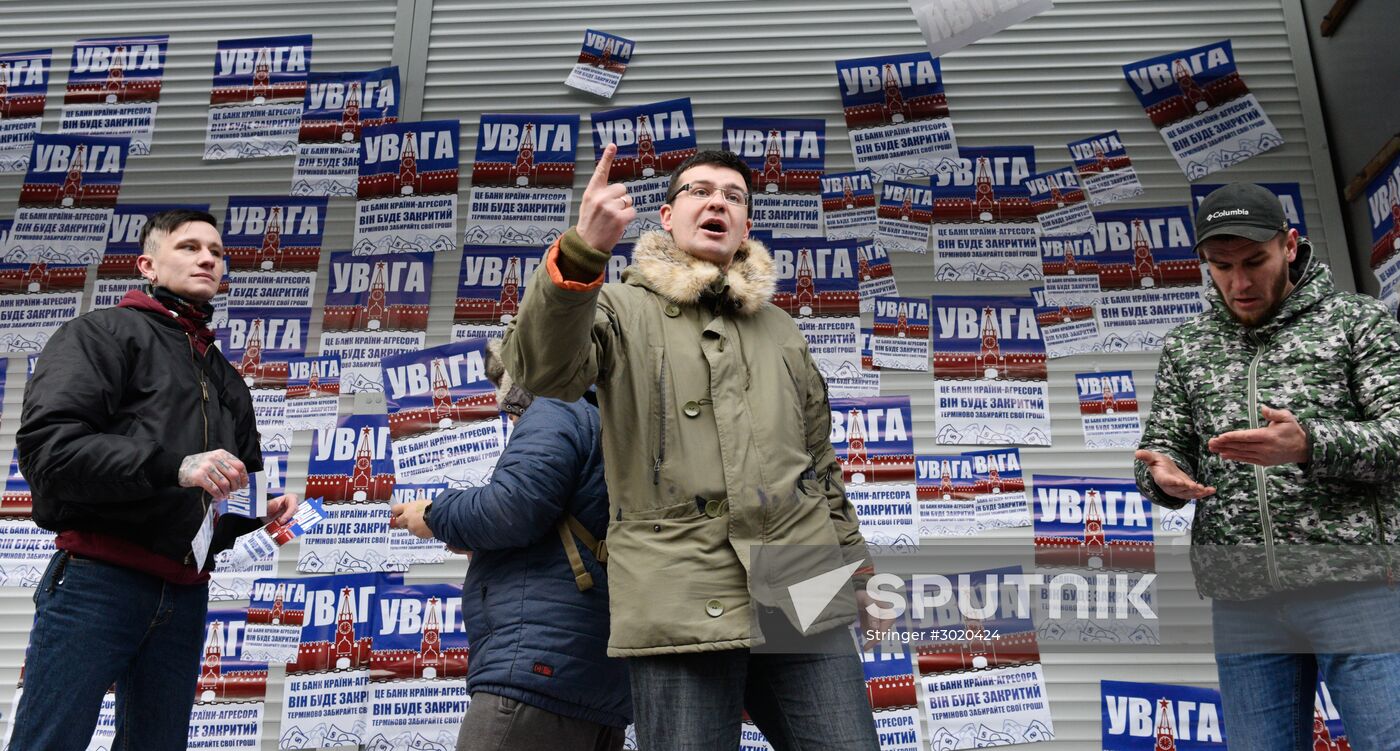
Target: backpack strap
[(570, 528)]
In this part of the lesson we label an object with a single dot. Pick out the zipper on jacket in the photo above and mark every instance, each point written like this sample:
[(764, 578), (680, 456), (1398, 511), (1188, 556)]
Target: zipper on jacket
[(661, 437), (1260, 478), (204, 415)]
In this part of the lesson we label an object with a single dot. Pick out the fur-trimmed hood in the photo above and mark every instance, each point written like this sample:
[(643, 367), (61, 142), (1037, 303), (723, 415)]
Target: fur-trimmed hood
[(682, 278)]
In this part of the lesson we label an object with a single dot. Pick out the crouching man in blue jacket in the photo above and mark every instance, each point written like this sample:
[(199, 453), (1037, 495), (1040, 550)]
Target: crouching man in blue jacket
[(535, 599)]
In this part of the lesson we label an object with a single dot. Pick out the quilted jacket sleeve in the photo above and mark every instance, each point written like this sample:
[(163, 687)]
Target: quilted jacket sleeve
[(529, 491), (1365, 449), (1169, 430)]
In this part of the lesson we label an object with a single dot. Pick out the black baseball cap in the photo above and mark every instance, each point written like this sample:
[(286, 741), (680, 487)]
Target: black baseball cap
[(1240, 210)]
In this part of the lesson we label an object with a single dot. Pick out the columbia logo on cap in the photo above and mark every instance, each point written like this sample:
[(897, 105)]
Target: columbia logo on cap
[(1230, 212)]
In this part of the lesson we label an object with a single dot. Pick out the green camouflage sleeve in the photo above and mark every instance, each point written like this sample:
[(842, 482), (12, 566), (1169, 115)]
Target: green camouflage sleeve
[(1367, 448), (1169, 430)]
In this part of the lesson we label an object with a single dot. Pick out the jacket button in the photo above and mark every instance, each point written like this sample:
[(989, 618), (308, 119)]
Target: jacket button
[(672, 310), (691, 409), (714, 609), (714, 508)]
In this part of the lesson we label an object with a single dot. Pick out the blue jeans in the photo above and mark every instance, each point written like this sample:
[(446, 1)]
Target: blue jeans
[(1270, 652), (97, 624), (814, 701)]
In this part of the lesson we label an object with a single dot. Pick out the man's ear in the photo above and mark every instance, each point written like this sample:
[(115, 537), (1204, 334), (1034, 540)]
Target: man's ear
[(1290, 244), (666, 216), (145, 268), (748, 226)]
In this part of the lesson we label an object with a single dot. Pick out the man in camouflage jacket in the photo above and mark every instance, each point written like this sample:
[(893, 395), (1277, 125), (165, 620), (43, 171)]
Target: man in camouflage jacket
[(1278, 409)]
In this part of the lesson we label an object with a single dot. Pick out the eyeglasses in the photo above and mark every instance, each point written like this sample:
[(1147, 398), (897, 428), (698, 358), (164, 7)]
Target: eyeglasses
[(703, 192)]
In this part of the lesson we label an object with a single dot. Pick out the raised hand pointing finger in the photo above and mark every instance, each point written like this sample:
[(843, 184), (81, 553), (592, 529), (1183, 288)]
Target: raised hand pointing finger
[(605, 210)]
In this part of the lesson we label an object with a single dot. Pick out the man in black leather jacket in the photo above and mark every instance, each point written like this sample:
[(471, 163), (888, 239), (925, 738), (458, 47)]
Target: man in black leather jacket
[(134, 426)]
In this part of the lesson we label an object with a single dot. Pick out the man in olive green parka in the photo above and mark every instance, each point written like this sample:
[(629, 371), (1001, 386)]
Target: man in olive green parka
[(716, 438)]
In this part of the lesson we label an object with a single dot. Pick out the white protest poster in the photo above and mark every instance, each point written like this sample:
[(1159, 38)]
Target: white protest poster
[(1095, 549), (1067, 328), (376, 306), (313, 392), (25, 547), (1000, 488), (406, 547), (875, 274), (903, 216), (817, 285), (337, 109), (113, 88), (886, 660), (24, 86), (788, 157), (652, 140), (1199, 103), (325, 699), (276, 612), (522, 181), (406, 201), (900, 333), (492, 282), (1153, 716), (947, 495), (897, 114), (984, 225), (230, 694), (873, 442), (66, 202), (1383, 211), (848, 204), (417, 663), (351, 469), (272, 245), (1104, 168), (989, 366), (255, 100), (865, 381), (1108, 409), (1149, 275), (1060, 203), (443, 417), (254, 555), (1069, 269), (979, 667), (949, 25), (602, 61), (35, 299)]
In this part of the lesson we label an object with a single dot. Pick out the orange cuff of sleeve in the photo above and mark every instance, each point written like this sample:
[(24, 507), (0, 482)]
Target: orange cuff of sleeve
[(551, 264)]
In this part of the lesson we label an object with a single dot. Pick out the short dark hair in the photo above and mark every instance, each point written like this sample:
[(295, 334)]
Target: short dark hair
[(726, 159), (170, 220)]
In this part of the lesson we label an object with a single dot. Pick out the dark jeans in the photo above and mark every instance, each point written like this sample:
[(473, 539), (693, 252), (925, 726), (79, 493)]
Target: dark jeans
[(495, 723), (97, 624), (801, 702)]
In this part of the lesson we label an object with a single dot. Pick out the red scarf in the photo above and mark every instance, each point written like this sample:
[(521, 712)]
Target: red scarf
[(192, 317)]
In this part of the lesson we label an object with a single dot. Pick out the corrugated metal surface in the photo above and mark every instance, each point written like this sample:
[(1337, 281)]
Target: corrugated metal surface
[(1044, 82)]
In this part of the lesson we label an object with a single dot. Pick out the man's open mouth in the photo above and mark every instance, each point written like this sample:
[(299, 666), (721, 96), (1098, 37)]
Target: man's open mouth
[(716, 226)]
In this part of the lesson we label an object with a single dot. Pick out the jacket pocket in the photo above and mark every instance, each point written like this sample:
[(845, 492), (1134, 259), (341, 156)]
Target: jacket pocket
[(682, 510), (485, 606)]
